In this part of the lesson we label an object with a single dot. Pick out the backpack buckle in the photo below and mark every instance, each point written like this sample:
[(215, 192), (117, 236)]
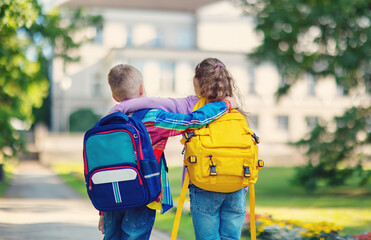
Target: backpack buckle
[(212, 167), (213, 170), (246, 172), (192, 159), (256, 138), (188, 135), (260, 164)]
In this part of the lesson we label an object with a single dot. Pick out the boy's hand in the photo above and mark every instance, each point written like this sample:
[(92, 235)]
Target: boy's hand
[(233, 102), (100, 224)]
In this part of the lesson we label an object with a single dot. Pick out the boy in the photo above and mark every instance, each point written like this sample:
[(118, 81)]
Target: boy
[(126, 82)]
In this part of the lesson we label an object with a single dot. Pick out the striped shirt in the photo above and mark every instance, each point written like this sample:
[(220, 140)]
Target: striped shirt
[(161, 124)]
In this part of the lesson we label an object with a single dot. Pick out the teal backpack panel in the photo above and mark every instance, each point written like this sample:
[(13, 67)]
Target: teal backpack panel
[(106, 149)]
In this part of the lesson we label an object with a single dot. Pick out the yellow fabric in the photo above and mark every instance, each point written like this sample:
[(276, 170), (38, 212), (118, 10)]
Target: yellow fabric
[(155, 205), (228, 144), (178, 214)]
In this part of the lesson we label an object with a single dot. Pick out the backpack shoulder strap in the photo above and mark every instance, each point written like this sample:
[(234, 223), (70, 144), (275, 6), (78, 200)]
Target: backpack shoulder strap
[(140, 113), (179, 209)]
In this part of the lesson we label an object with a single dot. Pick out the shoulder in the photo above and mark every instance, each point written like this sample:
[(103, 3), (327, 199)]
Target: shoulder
[(193, 99)]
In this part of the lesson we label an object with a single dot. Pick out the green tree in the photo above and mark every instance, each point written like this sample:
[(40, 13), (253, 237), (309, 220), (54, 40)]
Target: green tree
[(323, 38), (30, 38)]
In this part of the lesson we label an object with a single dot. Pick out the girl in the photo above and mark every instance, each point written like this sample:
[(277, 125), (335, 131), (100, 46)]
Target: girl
[(215, 215)]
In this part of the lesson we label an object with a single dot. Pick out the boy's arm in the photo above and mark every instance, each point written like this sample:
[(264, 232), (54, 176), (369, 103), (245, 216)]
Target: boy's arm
[(178, 105), (178, 123), (101, 224)]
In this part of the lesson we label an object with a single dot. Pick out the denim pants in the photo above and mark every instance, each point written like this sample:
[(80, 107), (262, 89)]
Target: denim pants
[(130, 224), (217, 215)]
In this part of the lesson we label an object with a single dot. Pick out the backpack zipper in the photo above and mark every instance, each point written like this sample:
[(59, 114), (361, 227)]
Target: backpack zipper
[(136, 148), (139, 143)]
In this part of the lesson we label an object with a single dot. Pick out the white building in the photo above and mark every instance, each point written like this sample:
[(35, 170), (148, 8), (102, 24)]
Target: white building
[(165, 40)]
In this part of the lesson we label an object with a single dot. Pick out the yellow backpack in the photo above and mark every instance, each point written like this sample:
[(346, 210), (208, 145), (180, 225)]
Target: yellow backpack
[(221, 157)]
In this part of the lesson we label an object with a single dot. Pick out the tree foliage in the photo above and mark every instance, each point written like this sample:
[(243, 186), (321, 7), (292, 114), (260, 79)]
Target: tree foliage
[(29, 39), (326, 39), (321, 37), (335, 155)]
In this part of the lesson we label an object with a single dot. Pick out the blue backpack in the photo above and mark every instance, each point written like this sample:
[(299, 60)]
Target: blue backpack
[(120, 168)]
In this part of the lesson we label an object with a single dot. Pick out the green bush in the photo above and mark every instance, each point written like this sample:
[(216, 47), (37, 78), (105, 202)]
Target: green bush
[(82, 120)]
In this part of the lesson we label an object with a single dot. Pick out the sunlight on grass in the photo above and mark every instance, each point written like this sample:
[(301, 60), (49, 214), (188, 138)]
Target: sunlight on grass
[(69, 168), (353, 220)]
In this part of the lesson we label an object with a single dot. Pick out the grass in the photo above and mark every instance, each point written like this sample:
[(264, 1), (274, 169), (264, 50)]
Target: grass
[(348, 206), (72, 174)]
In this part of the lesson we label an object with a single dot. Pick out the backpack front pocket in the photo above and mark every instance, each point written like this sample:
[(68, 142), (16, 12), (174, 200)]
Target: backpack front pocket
[(117, 186)]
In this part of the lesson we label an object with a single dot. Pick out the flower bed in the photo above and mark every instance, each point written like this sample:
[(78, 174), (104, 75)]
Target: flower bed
[(268, 228)]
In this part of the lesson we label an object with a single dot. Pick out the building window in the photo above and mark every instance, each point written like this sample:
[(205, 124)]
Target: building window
[(311, 122), (253, 122), (97, 86), (98, 39), (137, 63), (311, 81), (144, 35), (283, 122), (252, 80), (183, 38), (129, 36), (159, 40), (167, 77)]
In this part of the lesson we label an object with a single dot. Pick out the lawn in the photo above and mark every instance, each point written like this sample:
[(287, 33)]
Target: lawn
[(73, 175), (348, 206)]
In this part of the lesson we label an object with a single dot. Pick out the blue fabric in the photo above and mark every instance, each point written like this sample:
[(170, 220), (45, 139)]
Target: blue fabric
[(127, 225), (167, 200), (114, 118), (217, 215), (118, 195)]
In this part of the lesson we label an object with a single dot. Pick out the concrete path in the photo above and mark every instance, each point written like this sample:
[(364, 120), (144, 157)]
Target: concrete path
[(39, 206)]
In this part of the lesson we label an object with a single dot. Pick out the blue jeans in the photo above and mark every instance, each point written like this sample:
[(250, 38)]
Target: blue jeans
[(130, 224), (217, 215)]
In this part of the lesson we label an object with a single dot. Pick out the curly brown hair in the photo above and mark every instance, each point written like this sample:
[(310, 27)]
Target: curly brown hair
[(214, 80)]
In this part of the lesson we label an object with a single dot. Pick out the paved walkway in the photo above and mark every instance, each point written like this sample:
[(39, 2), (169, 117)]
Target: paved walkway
[(39, 206)]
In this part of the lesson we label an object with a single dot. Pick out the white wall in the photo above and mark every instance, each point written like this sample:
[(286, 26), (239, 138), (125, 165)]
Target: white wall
[(222, 27)]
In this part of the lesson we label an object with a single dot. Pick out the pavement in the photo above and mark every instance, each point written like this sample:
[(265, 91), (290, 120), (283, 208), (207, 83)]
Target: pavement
[(40, 206)]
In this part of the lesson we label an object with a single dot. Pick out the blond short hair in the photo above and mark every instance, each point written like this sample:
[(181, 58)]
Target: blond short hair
[(124, 81)]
